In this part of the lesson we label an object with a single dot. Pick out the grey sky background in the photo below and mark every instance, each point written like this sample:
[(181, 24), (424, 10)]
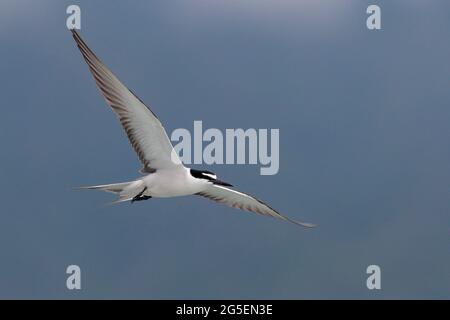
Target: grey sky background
[(364, 149)]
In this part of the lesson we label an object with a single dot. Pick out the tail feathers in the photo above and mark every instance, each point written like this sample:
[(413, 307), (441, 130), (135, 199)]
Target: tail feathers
[(114, 187), (121, 199), (125, 190)]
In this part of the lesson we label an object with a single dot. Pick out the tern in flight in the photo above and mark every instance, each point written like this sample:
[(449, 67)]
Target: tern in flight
[(165, 175)]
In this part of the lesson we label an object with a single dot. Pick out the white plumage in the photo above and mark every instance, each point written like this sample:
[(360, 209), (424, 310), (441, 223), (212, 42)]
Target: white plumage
[(166, 175)]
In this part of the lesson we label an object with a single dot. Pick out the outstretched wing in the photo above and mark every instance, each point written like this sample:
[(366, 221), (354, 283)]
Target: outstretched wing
[(144, 130), (243, 201)]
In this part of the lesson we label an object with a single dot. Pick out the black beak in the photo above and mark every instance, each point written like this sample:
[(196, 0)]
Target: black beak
[(222, 183)]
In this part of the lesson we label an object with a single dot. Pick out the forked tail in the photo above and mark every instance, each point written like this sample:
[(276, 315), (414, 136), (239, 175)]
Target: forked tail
[(125, 190)]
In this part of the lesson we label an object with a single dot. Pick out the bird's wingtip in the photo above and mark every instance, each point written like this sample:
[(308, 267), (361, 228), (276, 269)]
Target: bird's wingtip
[(309, 225), (302, 224)]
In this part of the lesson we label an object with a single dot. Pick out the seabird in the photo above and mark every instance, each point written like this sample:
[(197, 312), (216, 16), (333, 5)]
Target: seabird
[(165, 175)]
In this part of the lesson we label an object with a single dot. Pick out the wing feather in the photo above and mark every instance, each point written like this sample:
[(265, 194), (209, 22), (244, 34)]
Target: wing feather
[(144, 130), (246, 202)]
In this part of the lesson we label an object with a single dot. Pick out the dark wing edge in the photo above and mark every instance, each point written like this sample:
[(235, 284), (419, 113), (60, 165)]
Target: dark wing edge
[(104, 79), (257, 210)]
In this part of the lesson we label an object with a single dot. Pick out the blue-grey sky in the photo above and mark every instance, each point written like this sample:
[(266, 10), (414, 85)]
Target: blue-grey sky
[(364, 119)]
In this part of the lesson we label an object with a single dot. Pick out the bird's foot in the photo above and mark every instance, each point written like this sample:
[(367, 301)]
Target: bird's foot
[(140, 196)]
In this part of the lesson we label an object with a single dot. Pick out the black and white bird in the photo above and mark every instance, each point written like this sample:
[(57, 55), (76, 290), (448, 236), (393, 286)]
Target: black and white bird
[(165, 175)]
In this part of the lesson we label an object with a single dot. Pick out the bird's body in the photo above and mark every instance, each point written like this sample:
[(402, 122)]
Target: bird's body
[(165, 175), (173, 183)]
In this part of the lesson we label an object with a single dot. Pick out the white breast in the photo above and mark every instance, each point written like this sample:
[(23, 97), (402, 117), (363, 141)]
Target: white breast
[(172, 183)]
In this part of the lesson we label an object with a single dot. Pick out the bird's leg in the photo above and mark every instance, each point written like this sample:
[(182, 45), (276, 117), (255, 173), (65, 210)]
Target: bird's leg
[(140, 196)]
